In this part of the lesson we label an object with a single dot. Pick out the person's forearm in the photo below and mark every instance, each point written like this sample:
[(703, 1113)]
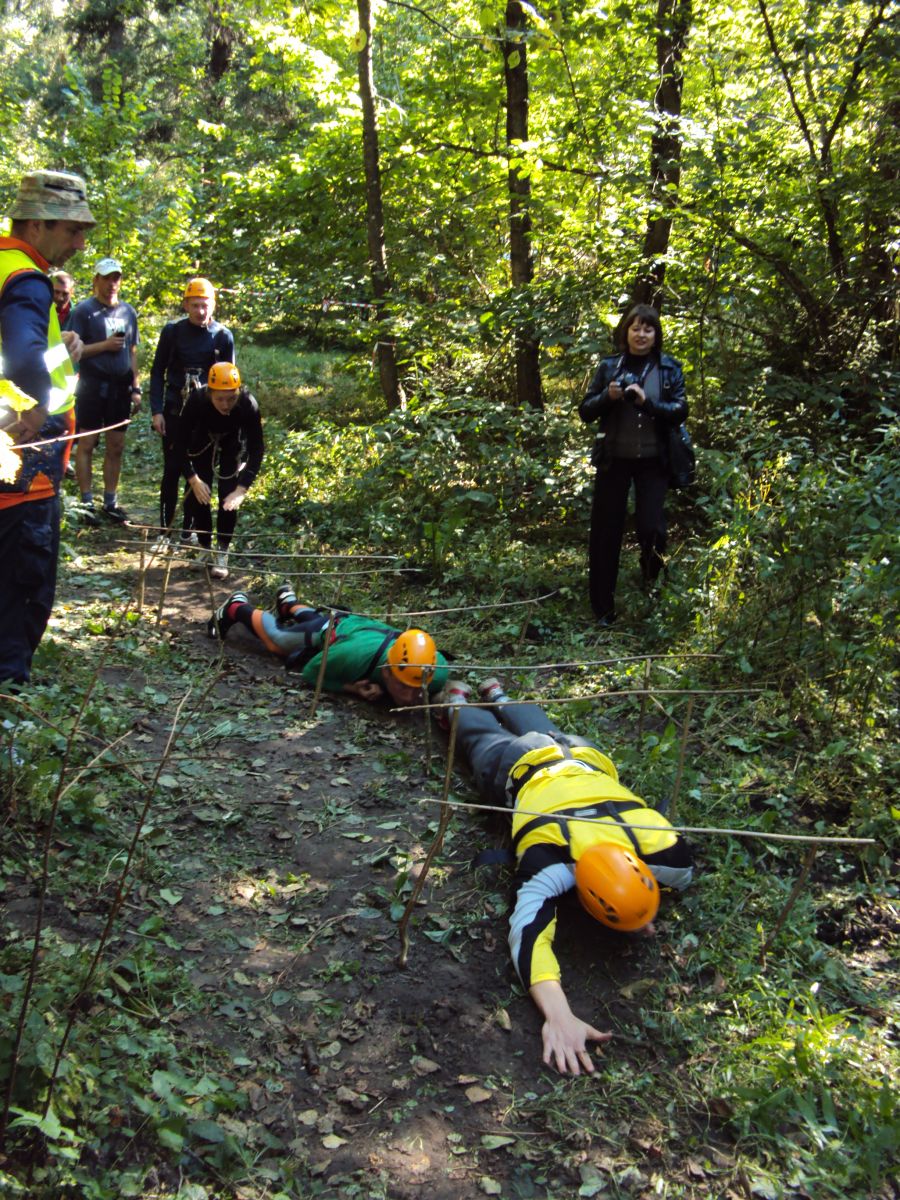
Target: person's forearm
[(92, 349), (550, 999)]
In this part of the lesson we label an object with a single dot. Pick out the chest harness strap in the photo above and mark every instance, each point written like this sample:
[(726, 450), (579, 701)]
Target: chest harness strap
[(608, 808)]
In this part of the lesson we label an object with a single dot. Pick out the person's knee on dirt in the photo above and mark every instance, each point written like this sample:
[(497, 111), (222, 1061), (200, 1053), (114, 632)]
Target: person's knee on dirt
[(574, 826)]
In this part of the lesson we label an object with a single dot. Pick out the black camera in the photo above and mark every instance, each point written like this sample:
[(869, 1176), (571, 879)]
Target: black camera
[(629, 384)]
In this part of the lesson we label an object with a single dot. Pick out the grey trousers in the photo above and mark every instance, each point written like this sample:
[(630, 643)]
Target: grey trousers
[(493, 740)]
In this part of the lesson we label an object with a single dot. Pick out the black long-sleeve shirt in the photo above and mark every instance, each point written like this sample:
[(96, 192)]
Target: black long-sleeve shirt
[(238, 436), (184, 346)]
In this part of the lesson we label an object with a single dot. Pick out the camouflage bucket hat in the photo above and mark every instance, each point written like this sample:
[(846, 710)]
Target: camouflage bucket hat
[(51, 196)]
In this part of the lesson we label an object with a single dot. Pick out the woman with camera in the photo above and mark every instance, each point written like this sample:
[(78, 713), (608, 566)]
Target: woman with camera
[(637, 395)]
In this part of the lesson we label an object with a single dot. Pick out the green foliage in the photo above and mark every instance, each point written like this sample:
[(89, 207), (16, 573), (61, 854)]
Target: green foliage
[(808, 1079)]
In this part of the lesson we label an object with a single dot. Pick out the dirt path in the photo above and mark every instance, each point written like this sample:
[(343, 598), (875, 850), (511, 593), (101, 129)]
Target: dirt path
[(284, 854)]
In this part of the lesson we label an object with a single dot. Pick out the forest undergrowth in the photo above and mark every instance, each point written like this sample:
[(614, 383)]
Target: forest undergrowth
[(758, 1058)]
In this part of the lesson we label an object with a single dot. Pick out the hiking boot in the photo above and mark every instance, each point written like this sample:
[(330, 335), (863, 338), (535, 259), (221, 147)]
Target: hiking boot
[(285, 599), (218, 568), (219, 623), (87, 515), (113, 512), (455, 692), (491, 691)]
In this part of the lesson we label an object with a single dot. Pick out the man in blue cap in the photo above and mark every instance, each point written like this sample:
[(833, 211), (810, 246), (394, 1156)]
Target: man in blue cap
[(108, 388)]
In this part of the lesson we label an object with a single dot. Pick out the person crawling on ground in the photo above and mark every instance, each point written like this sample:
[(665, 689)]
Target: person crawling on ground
[(366, 658), (574, 826)]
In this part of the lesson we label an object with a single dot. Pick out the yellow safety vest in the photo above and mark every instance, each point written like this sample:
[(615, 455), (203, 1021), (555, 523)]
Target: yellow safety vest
[(560, 784), (63, 380)]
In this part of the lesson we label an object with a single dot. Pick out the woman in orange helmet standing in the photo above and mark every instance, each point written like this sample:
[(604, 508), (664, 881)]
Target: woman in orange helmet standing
[(574, 826), (220, 434)]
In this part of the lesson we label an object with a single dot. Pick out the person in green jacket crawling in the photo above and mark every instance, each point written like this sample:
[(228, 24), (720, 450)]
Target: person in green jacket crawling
[(366, 658)]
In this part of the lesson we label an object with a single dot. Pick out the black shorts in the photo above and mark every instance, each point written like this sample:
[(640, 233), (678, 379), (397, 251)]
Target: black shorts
[(101, 402)]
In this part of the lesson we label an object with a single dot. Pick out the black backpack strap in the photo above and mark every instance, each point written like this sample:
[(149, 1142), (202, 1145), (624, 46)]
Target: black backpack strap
[(373, 661), (607, 808)]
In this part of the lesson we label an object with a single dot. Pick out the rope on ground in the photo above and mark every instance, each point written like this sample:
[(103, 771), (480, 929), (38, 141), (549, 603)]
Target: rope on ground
[(807, 838), (164, 529)]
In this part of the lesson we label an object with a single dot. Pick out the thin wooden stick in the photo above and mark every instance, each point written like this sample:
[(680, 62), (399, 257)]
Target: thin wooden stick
[(320, 678), (644, 696), (36, 950), (685, 729), (446, 809), (790, 902), (143, 571), (524, 628), (427, 673), (170, 551), (118, 897)]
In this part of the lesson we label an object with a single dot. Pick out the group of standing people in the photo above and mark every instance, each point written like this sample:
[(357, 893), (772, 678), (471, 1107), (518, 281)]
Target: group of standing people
[(575, 828), (208, 423)]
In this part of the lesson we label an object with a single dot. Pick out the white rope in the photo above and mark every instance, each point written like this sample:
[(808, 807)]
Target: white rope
[(575, 699), (68, 437), (746, 833)]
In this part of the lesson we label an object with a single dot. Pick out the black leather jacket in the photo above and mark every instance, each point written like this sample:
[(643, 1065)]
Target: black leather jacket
[(669, 410)]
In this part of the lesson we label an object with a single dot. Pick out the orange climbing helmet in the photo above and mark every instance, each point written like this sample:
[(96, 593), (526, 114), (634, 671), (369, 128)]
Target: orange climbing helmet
[(199, 289), (223, 377), (410, 656), (616, 887)]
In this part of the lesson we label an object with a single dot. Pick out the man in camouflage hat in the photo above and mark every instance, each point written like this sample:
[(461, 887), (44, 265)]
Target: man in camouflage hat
[(50, 216)]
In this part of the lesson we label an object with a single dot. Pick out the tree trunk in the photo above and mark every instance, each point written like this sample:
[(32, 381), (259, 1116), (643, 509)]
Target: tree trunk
[(385, 349), (527, 347), (673, 18)]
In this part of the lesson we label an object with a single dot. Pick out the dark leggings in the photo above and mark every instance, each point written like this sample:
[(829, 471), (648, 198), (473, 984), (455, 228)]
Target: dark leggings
[(611, 487), (199, 516), (172, 479), (494, 740)]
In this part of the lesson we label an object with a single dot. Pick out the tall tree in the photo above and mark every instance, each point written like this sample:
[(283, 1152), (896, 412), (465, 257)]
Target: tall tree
[(521, 261), (385, 350), (673, 19)]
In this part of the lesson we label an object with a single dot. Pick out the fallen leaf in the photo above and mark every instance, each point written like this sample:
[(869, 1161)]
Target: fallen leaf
[(308, 1117), (333, 1142), (423, 1066), (493, 1141), (478, 1095), (634, 989), (503, 1020), (489, 1186)]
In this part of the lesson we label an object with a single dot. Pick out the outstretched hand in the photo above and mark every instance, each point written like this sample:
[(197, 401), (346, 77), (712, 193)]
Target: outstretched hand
[(234, 499), (565, 1036)]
